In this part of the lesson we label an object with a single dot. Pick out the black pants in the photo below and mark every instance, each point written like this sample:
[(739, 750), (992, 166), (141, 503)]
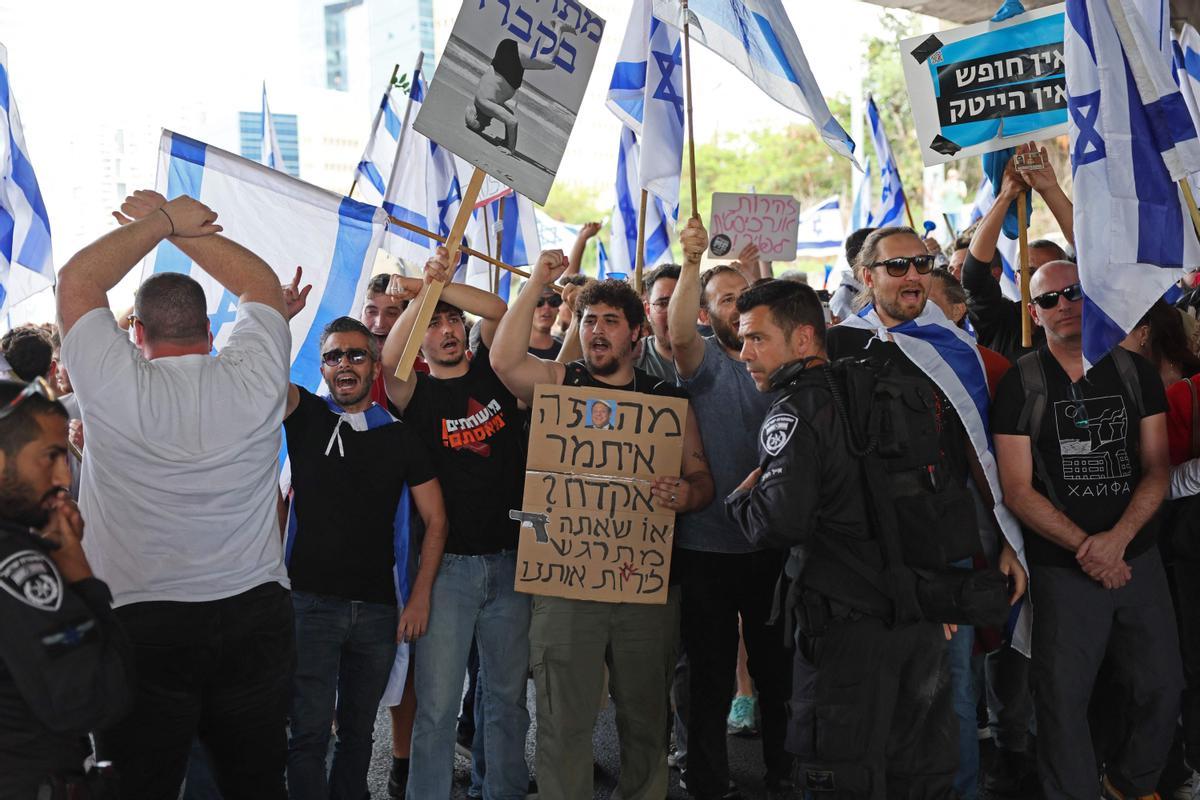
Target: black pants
[(1077, 624), (873, 713), (221, 670), (716, 588)]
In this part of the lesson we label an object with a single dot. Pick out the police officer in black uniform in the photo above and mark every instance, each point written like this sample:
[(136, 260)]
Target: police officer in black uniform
[(65, 664), (871, 716)]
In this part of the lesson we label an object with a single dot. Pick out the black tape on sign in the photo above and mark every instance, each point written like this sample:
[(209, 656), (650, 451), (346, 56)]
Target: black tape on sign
[(926, 48), (941, 144)]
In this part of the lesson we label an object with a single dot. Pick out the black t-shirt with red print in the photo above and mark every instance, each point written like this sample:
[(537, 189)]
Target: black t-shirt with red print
[(473, 429)]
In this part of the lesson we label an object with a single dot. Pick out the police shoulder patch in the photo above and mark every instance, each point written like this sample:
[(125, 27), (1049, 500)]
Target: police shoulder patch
[(776, 432), (32, 578)]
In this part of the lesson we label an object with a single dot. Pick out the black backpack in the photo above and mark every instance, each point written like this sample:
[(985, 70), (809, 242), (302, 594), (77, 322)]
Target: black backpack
[(923, 517)]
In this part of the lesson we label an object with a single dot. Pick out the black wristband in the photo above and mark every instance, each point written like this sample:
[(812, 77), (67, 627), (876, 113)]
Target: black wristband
[(168, 216)]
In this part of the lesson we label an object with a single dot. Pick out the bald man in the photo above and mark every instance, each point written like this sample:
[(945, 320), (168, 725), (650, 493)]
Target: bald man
[(1098, 450)]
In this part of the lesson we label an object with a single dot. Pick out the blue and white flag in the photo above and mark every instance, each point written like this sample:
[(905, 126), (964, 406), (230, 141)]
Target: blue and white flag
[(425, 188), (646, 94), (860, 214), (1132, 141), (1008, 246), (287, 223), (891, 198), (625, 215), (375, 166), (601, 260), (1186, 60), (757, 37), (26, 263), (272, 154), (555, 235), (519, 240), (821, 231), (950, 358)]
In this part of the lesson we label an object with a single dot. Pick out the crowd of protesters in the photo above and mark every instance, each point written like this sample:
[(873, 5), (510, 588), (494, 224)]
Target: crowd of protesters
[(181, 615)]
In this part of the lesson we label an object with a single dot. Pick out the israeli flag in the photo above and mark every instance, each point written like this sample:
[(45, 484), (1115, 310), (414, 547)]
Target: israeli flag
[(519, 240), (950, 358), (26, 263), (646, 94), (1185, 49), (272, 154), (375, 166), (555, 235), (625, 214), (287, 223), (424, 189), (1132, 141), (860, 214), (821, 231), (1008, 246), (891, 198), (602, 261), (757, 37)]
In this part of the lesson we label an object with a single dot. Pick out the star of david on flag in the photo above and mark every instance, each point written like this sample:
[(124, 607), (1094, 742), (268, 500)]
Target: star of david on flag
[(1132, 141)]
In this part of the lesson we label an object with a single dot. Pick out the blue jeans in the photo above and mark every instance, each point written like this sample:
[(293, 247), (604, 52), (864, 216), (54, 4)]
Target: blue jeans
[(472, 596), (345, 650), (962, 685)]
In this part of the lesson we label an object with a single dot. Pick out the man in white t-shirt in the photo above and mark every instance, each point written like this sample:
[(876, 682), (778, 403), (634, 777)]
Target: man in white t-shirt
[(179, 491)]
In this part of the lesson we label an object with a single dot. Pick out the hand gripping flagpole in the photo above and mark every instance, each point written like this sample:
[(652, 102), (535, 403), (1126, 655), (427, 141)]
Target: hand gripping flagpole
[(1023, 244), (687, 71), (390, 84), (431, 296)]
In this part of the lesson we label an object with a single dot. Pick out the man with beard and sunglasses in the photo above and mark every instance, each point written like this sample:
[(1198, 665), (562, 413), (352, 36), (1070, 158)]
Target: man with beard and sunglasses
[(65, 663), (571, 641), (354, 470), (472, 426), (1084, 465), (723, 575)]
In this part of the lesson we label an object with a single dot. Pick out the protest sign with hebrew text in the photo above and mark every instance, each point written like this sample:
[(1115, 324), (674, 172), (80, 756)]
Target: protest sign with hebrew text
[(770, 221), (987, 86), (592, 529)]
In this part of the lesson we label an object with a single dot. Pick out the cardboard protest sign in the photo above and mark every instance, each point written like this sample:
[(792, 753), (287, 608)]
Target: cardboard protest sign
[(987, 86), (770, 221), (591, 529), (509, 86)]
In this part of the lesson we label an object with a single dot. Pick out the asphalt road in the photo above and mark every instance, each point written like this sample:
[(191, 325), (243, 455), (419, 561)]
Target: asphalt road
[(745, 760)]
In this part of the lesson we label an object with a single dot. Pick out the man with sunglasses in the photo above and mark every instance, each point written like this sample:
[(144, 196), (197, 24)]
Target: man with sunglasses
[(354, 470), (899, 324), (65, 663), (1084, 465), (180, 492)]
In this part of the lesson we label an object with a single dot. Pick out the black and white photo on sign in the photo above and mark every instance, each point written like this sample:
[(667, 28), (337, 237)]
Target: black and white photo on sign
[(509, 85)]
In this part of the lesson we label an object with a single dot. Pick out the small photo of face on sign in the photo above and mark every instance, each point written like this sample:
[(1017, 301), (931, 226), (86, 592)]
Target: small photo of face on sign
[(600, 414)]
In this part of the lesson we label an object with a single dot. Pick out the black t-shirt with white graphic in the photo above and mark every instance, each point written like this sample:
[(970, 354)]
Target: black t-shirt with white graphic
[(347, 497), (1090, 447), (473, 428)]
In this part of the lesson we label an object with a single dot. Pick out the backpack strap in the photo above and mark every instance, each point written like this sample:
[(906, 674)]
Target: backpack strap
[(1129, 378), (1033, 379)]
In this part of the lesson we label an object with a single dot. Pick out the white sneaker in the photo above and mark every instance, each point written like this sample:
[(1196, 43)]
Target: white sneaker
[(1188, 790)]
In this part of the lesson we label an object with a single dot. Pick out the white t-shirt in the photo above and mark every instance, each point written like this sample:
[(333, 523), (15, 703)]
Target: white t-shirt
[(178, 492)]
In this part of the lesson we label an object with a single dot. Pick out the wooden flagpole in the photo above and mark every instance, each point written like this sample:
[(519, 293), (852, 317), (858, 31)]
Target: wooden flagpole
[(499, 240), (1023, 243), (493, 273), (1191, 203), (687, 71), (391, 83), (640, 260), (429, 299), (484, 257)]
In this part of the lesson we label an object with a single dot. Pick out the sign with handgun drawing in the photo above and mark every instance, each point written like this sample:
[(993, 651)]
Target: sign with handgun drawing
[(591, 529)]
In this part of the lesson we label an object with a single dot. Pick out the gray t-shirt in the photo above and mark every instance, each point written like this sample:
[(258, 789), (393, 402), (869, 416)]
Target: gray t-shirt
[(652, 362), (730, 410)]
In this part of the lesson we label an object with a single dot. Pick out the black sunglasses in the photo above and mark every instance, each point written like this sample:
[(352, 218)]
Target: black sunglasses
[(1049, 300), (898, 267), (356, 355), (36, 386), (554, 301)]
